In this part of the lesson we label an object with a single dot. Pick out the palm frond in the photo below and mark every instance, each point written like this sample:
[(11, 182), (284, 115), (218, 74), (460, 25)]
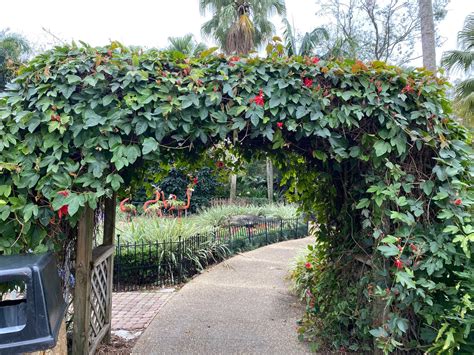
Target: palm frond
[(464, 108), (464, 89), (186, 45), (240, 38), (312, 39), (458, 60), (226, 24), (466, 35), (289, 37)]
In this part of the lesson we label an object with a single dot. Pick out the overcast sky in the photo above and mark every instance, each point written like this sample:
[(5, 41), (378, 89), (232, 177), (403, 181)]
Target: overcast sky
[(149, 23)]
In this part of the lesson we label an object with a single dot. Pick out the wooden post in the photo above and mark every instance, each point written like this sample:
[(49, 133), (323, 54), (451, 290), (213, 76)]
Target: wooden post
[(109, 238), (82, 290)]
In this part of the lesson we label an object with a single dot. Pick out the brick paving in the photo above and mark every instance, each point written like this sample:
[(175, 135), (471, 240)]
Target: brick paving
[(134, 311)]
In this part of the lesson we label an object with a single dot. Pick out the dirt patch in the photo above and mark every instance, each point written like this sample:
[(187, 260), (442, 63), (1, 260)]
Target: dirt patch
[(117, 345)]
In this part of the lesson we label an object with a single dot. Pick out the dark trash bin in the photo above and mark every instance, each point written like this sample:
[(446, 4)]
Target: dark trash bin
[(30, 322)]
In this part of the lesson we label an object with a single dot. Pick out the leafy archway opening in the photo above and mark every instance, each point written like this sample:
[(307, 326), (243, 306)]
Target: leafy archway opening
[(369, 150)]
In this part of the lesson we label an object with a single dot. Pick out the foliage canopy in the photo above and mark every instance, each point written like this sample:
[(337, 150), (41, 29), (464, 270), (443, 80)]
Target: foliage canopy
[(370, 149)]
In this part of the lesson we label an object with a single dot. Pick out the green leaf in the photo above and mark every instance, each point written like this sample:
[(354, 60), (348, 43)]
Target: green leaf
[(405, 279), (5, 190), (115, 181), (72, 79), (73, 204), (363, 203), (92, 119), (403, 324), (320, 155), (106, 100), (427, 187), (149, 145), (381, 148), (379, 333), (388, 250)]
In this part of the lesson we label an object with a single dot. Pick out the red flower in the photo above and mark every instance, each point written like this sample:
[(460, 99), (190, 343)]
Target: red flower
[(308, 82), (64, 210), (315, 60), (220, 164), (413, 247), (308, 266), (458, 202), (195, 181), (280, 125), (408, 88), (398, 264), (258, 99)]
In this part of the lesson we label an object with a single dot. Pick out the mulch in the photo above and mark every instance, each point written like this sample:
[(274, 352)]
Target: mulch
[(117, 345)]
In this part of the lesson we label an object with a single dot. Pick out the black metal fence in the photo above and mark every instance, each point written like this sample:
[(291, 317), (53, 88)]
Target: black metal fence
[(147, 264)]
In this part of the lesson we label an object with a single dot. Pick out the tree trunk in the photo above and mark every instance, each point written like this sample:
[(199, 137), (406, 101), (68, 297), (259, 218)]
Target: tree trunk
[(270, 180), (428, 44), (233, 187)]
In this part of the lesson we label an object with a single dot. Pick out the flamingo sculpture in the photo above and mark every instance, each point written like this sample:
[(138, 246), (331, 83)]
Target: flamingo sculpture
[(179, 205), (154, 206), (128, 208)]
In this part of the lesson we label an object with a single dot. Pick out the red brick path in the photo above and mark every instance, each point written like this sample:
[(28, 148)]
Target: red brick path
[(135, 310)]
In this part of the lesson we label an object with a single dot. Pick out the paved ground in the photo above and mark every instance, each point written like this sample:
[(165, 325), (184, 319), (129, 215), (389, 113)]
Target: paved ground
[(242, 305), (133, 311)]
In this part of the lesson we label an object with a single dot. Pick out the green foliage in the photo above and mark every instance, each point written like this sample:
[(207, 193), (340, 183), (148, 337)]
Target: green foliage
[(13, 49), (186, 45), (143, 228), (463, 60), (368, 149), (306, 44), (176, 181)]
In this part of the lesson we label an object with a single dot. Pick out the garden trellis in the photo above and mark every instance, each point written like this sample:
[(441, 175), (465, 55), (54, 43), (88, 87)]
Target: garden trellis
[(370, 147)]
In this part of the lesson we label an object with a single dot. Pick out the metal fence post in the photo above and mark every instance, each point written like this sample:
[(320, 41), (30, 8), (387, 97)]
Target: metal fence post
[(296, 228), (266, 230), (117, 262), (281, 228), (180, 253)]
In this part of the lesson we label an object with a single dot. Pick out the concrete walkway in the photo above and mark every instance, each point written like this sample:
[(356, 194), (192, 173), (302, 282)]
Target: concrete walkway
[(241, 306)]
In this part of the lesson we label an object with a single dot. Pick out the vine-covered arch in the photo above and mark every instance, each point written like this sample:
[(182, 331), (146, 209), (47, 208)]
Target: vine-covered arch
[(370, 148)]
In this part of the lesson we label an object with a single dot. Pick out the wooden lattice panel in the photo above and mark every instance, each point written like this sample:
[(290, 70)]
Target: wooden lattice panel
[(101, 274)]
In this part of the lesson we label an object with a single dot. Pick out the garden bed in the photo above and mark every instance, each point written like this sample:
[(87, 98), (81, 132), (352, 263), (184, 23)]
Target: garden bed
[(147, 263)]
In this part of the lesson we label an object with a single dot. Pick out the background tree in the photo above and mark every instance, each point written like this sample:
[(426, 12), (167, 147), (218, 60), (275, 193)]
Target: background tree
[(239, 26), (428, 44), (13, 50), (306, 44), (385, 30), (462, 60), (186, 45)]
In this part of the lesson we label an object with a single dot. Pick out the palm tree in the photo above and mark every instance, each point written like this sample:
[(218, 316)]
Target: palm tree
[(13, 49), (307, 44), (462, 59), (186, 45), (239, 26)]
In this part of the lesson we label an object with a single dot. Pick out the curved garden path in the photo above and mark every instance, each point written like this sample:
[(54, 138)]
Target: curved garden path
[(242, 305)]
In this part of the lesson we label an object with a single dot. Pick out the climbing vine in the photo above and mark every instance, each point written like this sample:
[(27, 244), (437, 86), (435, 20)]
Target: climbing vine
[(368, 149)]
